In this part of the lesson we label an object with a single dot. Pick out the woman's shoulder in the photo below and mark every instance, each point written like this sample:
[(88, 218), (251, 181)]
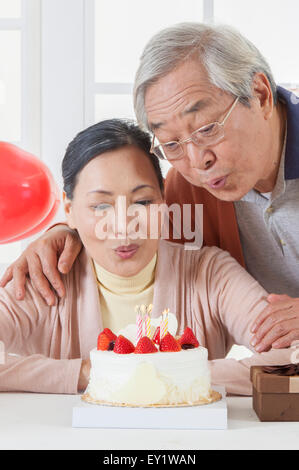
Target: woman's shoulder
[(191, 252), (207, 260)]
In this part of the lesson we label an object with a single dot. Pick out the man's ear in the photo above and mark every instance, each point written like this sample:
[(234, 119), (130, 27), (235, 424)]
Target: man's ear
[(261, 89), (68, 209)]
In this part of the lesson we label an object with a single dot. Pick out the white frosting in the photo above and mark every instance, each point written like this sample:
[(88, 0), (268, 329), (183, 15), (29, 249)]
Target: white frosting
[(143, 379)]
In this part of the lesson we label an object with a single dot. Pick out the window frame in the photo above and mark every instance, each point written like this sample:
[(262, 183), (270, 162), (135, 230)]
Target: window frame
[(30, 140), (108, 88)]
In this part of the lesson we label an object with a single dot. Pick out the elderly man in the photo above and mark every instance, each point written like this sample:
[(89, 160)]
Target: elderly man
[(232, 136)]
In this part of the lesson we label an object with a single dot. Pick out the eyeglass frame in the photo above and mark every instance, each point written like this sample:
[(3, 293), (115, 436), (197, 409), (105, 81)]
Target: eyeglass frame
[(190, 139)]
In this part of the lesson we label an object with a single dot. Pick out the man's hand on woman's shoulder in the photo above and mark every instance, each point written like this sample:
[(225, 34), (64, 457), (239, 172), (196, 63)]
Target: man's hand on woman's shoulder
[(43, 260)]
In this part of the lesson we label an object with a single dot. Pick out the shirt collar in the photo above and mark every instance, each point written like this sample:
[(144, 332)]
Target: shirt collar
[(291, 101), (126, 285), (280, 185)]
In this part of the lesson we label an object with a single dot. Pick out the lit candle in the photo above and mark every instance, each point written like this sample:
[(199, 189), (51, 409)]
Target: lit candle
[(166, 320), (147, 320), (144, 319), (149, 332), (162, 325), (149, 309), (138, 323)]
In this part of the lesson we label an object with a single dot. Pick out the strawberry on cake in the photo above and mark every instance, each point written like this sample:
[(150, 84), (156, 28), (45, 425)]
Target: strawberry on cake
[(153, 371)]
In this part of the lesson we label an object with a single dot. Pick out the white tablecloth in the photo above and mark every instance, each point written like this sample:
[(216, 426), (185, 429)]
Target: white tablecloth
[(37, 421)]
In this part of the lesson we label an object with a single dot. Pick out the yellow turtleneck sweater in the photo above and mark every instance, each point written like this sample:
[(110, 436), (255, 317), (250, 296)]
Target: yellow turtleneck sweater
[(119, 295)]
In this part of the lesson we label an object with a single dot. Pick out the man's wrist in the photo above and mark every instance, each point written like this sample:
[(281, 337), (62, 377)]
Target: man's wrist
[(57, 223)]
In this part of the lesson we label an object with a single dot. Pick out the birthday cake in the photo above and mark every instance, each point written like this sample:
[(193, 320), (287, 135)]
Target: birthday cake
[(148, 365)]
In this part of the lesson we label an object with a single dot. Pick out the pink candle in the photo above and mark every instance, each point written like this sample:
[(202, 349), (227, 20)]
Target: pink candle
[(138, 327)]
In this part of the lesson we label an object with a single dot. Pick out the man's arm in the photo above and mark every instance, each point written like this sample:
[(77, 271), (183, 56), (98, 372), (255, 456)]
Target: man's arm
[(235, 375), (238, 300), (52, 254)]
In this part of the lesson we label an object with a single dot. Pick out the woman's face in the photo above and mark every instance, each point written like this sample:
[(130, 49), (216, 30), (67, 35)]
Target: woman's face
[(110, 210)]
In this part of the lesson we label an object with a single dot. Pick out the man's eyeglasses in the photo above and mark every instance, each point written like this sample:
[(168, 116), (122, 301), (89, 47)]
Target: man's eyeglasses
[(209, 134)]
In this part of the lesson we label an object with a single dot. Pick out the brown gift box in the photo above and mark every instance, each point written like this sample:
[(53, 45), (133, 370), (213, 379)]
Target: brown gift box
[(276, 392)]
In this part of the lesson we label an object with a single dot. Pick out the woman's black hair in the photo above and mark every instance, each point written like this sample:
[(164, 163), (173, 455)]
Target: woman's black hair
[(102, 137)]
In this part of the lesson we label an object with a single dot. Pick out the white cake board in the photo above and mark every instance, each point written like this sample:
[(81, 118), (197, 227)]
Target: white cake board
[(212, 416)]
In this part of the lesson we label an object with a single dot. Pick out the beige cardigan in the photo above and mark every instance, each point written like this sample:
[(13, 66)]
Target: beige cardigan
[(207, 289)]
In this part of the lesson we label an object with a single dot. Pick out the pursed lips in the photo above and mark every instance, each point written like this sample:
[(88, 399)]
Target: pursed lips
[(126, 251), (127, 247)]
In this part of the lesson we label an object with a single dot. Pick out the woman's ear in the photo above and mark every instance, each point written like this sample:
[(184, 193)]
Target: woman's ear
[(68, 209)]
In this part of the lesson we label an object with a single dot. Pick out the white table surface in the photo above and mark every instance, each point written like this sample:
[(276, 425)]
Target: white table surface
[(42, 421)]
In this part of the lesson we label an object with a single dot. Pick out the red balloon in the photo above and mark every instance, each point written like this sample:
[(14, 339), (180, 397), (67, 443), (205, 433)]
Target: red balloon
[(29, 196), (39, 227)]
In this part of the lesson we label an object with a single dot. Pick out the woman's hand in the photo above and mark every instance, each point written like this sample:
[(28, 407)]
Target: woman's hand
[(84, 375), (43, 260), (278, 325)]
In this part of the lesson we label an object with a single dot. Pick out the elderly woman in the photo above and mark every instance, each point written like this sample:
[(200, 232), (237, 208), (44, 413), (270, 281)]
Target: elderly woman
[(206, 289)]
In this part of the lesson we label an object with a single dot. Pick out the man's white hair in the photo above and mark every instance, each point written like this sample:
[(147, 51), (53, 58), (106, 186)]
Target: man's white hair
[(231, 60)]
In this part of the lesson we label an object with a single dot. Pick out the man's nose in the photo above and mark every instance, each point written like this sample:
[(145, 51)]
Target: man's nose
[(201, 158)]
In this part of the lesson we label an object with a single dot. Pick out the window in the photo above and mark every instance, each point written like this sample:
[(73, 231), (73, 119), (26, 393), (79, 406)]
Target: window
[(272, 27), (19, 85), (116, 33)]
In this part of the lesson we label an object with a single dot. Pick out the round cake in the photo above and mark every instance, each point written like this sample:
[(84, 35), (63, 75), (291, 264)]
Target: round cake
[(162, 378), (149, 371)]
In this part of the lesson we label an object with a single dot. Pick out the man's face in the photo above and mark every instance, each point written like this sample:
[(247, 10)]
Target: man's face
[(183, 101)]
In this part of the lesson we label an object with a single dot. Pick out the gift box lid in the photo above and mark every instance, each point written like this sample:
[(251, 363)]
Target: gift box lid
[(266, 382)]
